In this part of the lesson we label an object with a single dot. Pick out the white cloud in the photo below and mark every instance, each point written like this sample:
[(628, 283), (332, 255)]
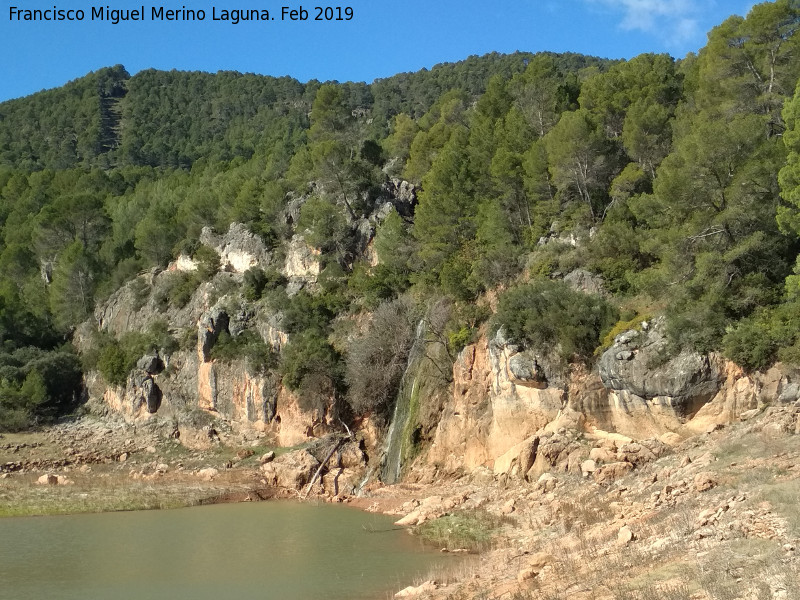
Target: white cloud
[(675, 21)]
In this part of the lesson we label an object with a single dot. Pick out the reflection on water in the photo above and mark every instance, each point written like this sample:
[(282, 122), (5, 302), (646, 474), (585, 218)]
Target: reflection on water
[(265, 551)]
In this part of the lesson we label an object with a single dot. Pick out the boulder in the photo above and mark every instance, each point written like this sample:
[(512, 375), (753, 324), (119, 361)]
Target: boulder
[(639, 453), (150, 364), (546, 482), (413, 592), (292, 470), (342, 482), (588, 467), (789, 393), (602, 455), (526, 575), (582, 280), (526, 371), (671, 439), (610, 472), (411, 519), (683, 379), (47, 479), (509, 507), (625, 536), (540, 560), (705, 481)]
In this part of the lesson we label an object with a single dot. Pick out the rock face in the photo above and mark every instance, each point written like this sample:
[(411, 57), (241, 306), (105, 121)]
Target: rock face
[(302, 262), (238, 249), (500, 398), (512, 411), (632, 365), (293, 470), (181, 381), (645, 388), (403, 196), (582, 280)]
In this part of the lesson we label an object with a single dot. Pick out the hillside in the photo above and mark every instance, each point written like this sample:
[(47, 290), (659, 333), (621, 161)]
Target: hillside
[(518, 282)]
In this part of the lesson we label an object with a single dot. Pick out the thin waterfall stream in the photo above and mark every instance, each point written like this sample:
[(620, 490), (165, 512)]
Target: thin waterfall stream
[(393, 451)]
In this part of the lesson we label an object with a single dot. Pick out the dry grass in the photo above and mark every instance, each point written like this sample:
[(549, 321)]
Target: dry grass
[(112, 490), (465, 530)]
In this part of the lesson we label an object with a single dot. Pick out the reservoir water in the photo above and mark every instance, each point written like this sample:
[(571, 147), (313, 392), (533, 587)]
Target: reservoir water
[(250, 551)]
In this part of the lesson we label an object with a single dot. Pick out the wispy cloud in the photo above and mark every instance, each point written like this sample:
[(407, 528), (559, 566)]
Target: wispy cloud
[(674, 21)]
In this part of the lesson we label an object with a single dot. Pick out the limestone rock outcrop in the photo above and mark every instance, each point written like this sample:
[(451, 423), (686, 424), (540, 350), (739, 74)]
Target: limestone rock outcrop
[(648, 391), (238, 249)]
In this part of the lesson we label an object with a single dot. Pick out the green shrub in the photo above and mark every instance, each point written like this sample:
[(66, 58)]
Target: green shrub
[(374, 285), (37, 385), (247, 345), (207, 262), (550, 315), (769, 334), (257, 280), (116, 358), (140, 291), (625, 323), (470, 530), (179, 288), (113, 364), (306, 353)]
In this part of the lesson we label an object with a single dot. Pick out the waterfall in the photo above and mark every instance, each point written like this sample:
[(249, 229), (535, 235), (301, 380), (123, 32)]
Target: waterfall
[(395, 442)]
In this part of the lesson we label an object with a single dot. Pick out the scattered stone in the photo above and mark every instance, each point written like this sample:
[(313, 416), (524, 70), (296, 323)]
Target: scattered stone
[(208, 473), (123, 457), (610, 472), (540, 560), (526, 575), (62, 480), (411, 591), (588, 467), (47, 479), (508, 507), (162, 468), (267, 458), (705, 481), (546, 482), (244, 453), (625, 536), (150, 449)]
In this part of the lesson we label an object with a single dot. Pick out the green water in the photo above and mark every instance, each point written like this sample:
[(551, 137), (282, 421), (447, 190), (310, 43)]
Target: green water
[(265, 551)]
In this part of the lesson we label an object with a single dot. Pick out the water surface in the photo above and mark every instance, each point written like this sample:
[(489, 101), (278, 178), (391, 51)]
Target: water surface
[(264, 551)]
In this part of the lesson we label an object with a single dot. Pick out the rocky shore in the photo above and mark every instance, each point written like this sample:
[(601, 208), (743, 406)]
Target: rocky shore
[(703, 516)]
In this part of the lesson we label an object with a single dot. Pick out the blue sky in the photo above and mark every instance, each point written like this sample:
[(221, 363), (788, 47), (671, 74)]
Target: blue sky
[(382, 39)]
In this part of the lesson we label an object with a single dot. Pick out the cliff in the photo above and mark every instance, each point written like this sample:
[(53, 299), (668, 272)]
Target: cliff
[(499, 408)]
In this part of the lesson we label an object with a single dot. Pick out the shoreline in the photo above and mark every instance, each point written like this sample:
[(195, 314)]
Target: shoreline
[(726, 496)]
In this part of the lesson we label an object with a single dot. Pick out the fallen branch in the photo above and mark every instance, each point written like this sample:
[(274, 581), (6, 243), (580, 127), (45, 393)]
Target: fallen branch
[(322, 466)]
